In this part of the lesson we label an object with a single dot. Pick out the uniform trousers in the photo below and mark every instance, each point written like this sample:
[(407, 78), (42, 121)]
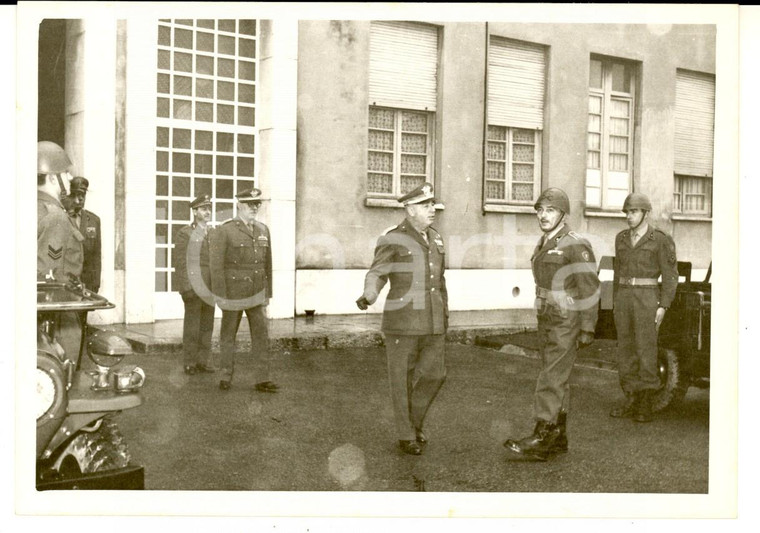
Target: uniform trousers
[(558, 331), (259, 328), (197, 329), (635, 310), (416, 371)]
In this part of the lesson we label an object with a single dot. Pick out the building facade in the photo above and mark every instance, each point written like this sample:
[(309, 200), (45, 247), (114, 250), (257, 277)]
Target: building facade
[(333, 120)]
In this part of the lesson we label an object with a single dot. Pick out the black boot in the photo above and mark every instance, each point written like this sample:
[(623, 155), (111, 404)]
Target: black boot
[(560, 443), (537, 446), (627, 409), (644, 408)]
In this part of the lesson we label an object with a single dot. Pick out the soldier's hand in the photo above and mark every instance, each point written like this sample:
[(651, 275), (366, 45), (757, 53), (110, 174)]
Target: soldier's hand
[(659, 316), (585, 339), (362, 303)]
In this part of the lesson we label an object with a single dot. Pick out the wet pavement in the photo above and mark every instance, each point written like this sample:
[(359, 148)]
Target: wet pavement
[(330, 429)]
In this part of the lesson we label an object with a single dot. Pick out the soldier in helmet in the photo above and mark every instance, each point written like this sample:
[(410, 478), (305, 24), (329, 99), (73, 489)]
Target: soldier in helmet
[(59, 241), (567, 293), (643, 253)]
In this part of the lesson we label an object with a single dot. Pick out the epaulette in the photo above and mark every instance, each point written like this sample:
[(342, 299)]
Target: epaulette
[(228, 221), (574, 235), (434, 231), (388, 230)]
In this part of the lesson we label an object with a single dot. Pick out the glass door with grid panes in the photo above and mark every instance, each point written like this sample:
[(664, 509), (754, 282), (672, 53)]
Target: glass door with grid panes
[(206, 137)]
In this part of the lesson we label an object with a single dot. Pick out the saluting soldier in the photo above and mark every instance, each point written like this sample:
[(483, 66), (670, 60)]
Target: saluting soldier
[(192, 278), (88, 224), (643, 253), (567, 294), (411, 256), (240, 256)]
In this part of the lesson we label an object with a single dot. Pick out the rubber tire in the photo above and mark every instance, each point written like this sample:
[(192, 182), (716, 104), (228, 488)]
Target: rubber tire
[(97, 451), (674, 382)]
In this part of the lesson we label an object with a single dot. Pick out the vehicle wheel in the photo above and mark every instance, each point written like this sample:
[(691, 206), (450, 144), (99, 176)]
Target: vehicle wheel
[(96, 451), (674, 382)]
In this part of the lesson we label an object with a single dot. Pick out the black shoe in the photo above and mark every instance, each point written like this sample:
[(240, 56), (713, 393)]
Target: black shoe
[(626, 409), (420, 437), (190, 370), (208, 369), (560, 443), (644, 408), (537, 446), (266, 386), (410, 447), (225, 385)]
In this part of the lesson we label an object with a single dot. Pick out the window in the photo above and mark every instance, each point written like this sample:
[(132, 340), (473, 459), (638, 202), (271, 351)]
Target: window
[(694, 132), (609, 154), (516, 86), (403, 78), (206, 134), (399, 150)]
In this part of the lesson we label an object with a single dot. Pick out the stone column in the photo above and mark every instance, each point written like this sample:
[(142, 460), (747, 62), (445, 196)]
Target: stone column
[(276, 110)]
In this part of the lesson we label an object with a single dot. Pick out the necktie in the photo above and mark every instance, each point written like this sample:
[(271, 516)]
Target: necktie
[(424, 237), (634, 238)]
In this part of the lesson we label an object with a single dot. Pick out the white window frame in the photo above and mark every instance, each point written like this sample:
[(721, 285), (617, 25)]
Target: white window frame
[(680, 196), (601, 182), (508, 143), (397, 152), (215, 128)]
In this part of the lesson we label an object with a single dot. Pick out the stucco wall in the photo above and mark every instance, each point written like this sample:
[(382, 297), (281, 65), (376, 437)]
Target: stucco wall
[(336, 230)]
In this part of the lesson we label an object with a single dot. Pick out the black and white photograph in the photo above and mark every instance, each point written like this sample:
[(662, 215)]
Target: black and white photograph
[(377, 260)]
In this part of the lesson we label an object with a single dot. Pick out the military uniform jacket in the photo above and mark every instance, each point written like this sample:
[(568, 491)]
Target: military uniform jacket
[(653, 255), (417, 302), (565, 265), (89, 227), (240, 258), (59, 242), (183, 272)]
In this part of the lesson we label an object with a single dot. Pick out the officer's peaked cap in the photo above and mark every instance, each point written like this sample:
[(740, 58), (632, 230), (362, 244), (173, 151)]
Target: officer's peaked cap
[(423, 193), (79, 184), (251, 195), (200, 201)]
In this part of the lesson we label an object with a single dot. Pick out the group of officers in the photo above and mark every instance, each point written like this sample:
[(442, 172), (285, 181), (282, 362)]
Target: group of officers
[(231, 266)]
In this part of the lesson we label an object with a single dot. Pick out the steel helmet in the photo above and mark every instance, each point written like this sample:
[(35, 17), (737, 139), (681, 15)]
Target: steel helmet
[(636, 200), (51, 158), (553, 197)]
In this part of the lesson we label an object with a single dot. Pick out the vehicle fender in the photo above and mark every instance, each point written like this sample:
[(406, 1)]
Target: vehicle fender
[(49, 422)]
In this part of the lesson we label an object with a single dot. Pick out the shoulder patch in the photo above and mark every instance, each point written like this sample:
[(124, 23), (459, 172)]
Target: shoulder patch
[(388, 230)]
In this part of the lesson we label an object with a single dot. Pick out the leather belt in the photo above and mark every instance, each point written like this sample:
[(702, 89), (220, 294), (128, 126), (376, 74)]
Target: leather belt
[(549, 294), (638, 282)]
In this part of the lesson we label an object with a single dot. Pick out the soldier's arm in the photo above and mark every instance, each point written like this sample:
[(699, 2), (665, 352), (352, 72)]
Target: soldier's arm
[(179, 259), (96, 260), (269, 265), (668, 269), (51, 238), (587, 284), (377, 276), (216, 248)]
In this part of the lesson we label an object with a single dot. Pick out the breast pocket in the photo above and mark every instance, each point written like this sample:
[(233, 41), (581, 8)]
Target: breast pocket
[(243, 253), (260, 252)]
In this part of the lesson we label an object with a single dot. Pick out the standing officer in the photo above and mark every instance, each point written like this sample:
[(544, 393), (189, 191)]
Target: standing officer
[(567, 292), (88, 224), (193, 280), (59, 242), (415, 318), (240, 256), (642, 254)]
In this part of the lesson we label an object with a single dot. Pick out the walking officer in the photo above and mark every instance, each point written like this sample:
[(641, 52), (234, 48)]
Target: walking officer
[(567, 293), (411, 256), (88, 224), (240, 257), (193, 281), (643, 253)]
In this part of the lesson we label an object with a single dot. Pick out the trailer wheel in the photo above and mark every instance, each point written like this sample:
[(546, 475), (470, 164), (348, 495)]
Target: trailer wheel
[(674, 381)]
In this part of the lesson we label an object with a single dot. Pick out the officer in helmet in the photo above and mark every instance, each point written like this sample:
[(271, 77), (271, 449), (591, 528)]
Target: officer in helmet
[(567, 295), (643, 253), (59, 242)]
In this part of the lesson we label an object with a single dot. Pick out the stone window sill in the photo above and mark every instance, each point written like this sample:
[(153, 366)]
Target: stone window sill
[(501, 208)]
